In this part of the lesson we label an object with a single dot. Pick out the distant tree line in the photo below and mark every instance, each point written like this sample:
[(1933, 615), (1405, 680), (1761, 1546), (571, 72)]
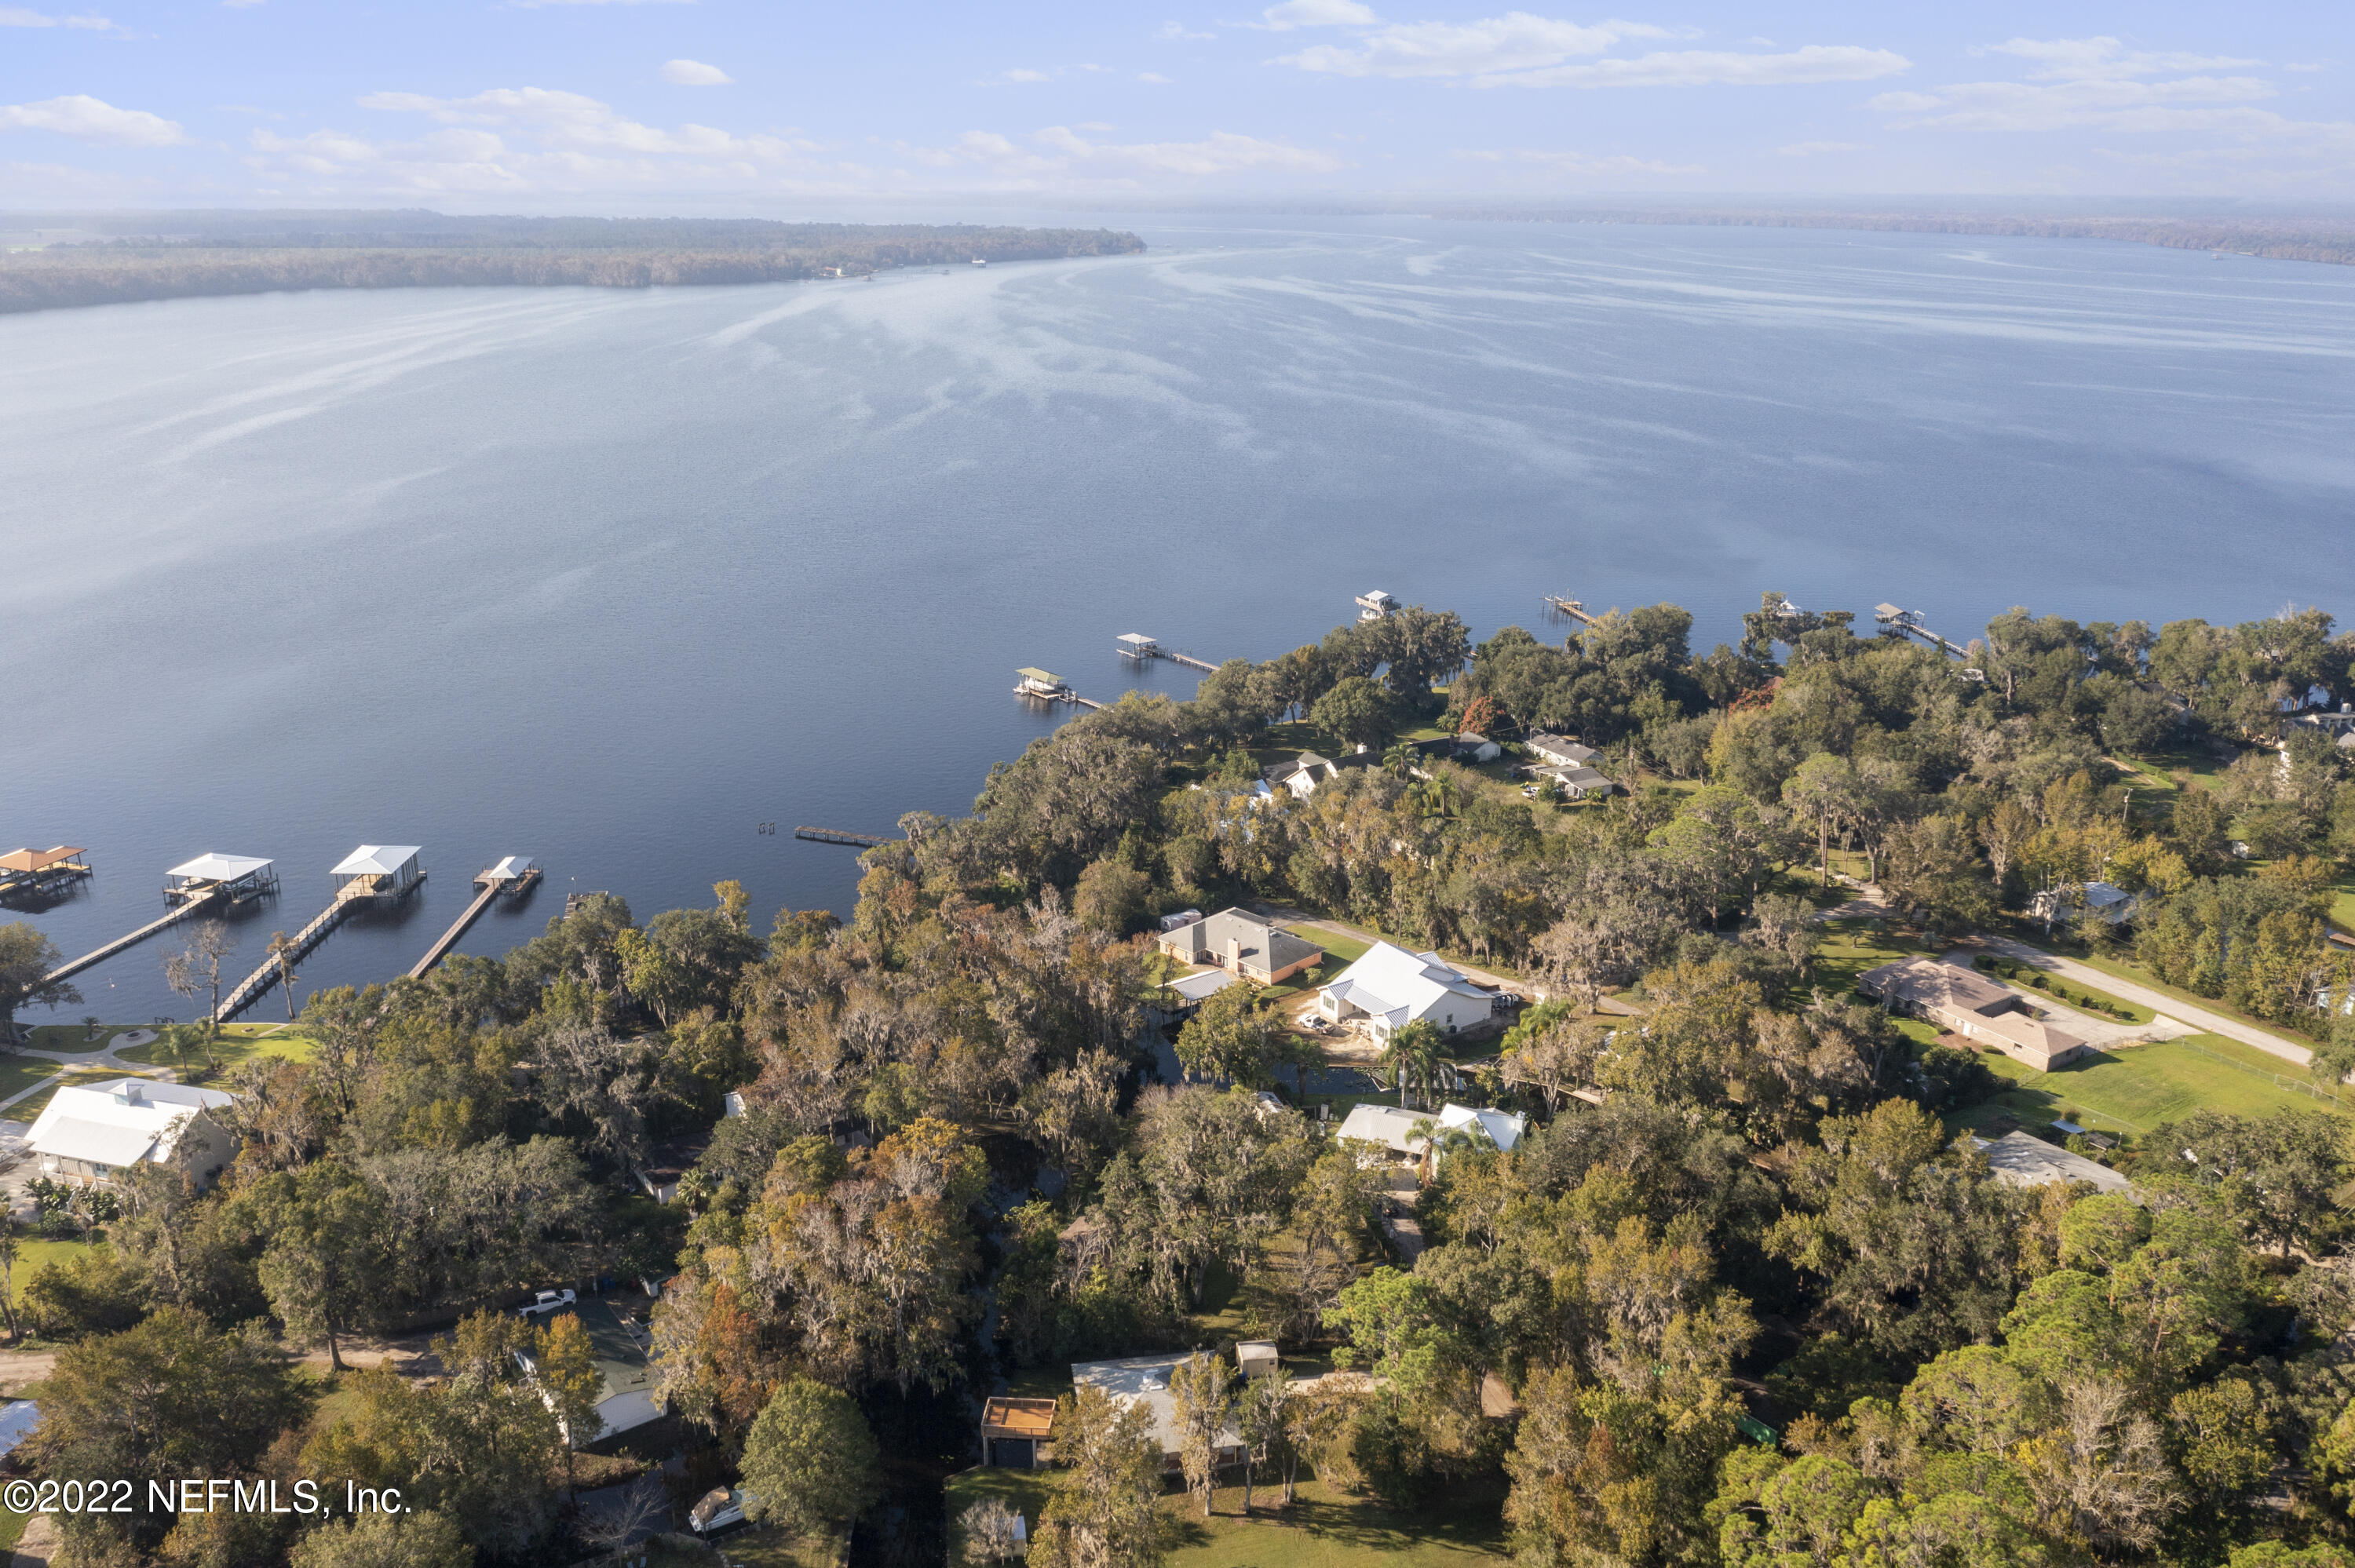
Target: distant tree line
[(532, 252)]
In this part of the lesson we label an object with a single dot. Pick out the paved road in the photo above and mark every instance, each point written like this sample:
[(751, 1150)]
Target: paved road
[(2142, 996)]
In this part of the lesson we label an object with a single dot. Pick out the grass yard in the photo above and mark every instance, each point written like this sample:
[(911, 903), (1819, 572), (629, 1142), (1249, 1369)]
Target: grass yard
[(763, 1546), (74, 1036), (1322, 1529), (1848, 948), (32, 1253), (2133, 1089), (239, 1042), (18, 1074), (2068, 991)]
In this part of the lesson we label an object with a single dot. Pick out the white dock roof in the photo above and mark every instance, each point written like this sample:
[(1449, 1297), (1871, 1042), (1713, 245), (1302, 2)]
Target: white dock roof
[(376, 860), (514, 866), (211, 867)]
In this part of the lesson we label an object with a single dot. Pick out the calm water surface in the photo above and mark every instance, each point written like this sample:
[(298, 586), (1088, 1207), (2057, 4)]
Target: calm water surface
[(611, 578)]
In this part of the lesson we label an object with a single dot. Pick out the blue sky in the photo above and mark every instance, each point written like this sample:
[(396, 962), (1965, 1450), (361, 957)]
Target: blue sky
[(723, 105)]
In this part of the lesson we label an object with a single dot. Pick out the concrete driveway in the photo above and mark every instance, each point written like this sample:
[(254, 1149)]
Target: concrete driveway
[(2089, 1027), (2200, 1019)]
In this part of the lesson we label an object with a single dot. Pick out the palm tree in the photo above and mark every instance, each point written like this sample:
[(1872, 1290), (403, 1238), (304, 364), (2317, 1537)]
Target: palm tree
[(1397, 759), (281, 948), (1416, 1052)]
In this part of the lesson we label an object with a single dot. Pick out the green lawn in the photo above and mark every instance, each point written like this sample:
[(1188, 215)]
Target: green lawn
[(764, 1547), (1322, 1529), (2134, 1089), (239, 1042), (18, 1074), (26, 1109), (2069, 991), (74, 1036)]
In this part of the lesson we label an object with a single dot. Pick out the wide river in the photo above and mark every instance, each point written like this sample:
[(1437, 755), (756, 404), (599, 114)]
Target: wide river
[(614, 578)]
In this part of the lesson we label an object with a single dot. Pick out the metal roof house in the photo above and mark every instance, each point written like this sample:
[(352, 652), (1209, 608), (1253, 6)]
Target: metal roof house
[(1389, 988), (2023, 1159), (97, 1131), (1145, 1380), (1241, 943), (243, 876), (382, 870)]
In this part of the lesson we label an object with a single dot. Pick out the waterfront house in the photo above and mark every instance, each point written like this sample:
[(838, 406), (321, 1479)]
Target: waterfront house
[(1300, 775), (99, 1131), (1389, 988), (1974, 1007), (1242, 944)]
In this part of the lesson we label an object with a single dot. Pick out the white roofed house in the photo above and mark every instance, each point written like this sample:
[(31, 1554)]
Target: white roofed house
[(98, 1131), (1145, 1380), (1389, 988)]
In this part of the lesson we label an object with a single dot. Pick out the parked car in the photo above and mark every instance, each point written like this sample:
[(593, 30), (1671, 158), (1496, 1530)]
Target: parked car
[(721, 1507), (546, 1301)]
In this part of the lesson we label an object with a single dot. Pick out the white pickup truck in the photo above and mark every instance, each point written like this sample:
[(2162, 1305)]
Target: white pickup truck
[(546, 1301), (720, 1509)]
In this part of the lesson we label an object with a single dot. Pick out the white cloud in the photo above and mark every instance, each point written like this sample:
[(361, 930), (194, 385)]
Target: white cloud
[(1517, 41), (17, 16), (1293, 14), (2098, 85), (694, 73), (1708, 67), (1583, 163), (1022, 74), (88, 119), (1059, 155), (570, 122), (2076, 60), (1175, 31), (1154, 77), (1809, 149)]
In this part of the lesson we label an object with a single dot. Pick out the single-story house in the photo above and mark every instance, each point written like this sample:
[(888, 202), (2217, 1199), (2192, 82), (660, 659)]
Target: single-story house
[(1388, 1127), (2112, 904), (1504, 1127), (627, 1399), (1470, 747), (1561, 750), (665, 1163), (1146, 1380), (100, 1131), (1300, 775), (1389, 988), (1582, 783), (2023, 1159), (1974, 1007), (1242, 944), (1180, 997), (1014, 1431)]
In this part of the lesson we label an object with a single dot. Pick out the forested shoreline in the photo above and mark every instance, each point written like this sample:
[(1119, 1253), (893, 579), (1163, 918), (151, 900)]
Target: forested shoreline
[(2329, 239), (206, 255), (1746, 1296)]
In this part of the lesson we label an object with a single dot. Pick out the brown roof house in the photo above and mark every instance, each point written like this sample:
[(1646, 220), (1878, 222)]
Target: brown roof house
[(1974, 1007), (1241, 944)]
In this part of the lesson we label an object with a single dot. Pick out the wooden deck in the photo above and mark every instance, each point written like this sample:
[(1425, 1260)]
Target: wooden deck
[(1570, 608), (351, 896)]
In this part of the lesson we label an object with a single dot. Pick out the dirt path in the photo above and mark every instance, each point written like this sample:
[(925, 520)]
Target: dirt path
[(19, 1370)]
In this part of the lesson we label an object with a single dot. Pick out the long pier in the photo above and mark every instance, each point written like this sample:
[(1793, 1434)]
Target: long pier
[(837, 836), (504, 877), (1909, 622), (195, 905), (1137, 646), (1570, 608), (249, 990)]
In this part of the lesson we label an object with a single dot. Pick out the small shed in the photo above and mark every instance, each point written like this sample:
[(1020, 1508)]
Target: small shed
[(1256, 1358), (380, 870), (1013, 1431), (243, 875)]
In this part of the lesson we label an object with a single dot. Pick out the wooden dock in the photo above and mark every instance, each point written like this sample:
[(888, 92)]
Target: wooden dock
[(504, 877), (1137, 646), (32, 871), (1909, 622), (196, 903), (249, 990), (1570, 608), (837, 836)]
